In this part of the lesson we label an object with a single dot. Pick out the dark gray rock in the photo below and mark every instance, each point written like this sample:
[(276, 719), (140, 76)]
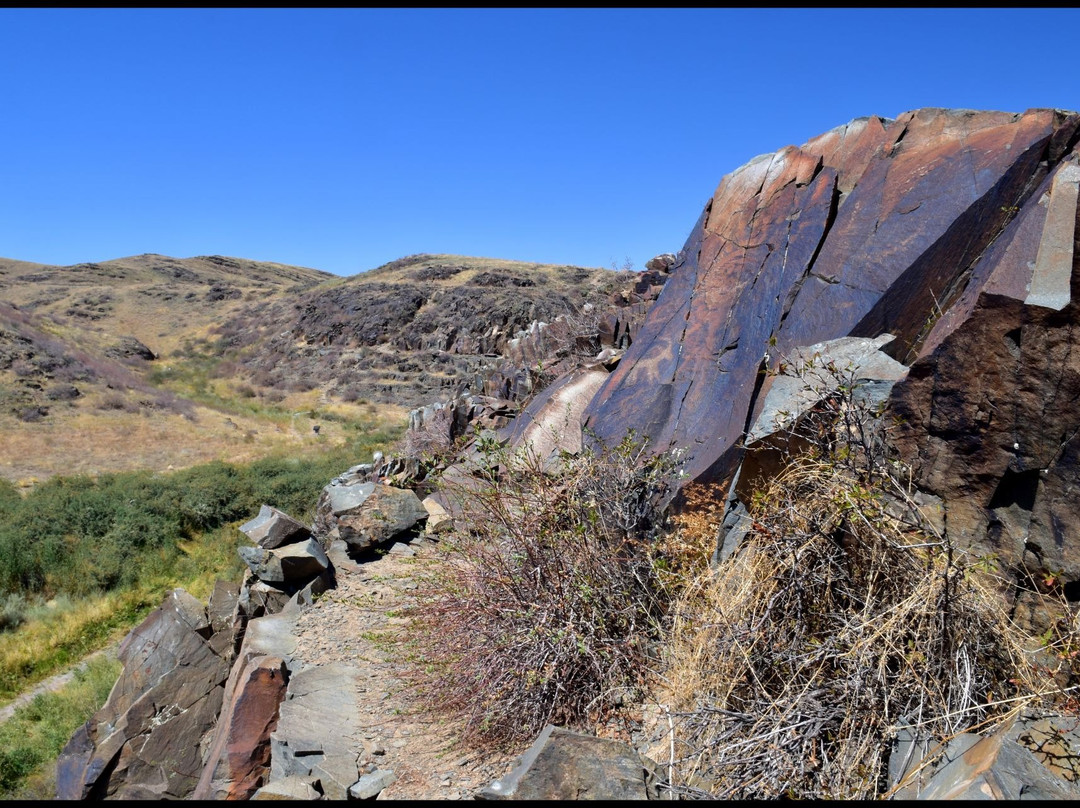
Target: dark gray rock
[(1028, 758), (564, 765), (273, 528), (144, 743), (288, 564), (318, 732), (385, 513)]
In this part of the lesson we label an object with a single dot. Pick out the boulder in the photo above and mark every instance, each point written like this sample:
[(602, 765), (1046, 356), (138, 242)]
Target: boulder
[(288, 564), (383, 513), (661, 263), (130, 348), (273, 528)]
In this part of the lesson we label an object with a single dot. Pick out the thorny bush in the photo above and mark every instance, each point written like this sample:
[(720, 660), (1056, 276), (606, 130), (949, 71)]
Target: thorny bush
[(546, 602)]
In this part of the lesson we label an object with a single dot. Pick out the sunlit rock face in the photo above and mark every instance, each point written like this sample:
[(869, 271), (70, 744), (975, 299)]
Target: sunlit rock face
[(953, 230)]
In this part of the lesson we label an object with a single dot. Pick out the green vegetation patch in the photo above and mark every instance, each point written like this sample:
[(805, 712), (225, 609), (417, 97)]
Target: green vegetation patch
[(33, 737)]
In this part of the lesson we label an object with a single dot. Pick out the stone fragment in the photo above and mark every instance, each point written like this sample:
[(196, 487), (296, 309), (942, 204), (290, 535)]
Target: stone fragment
[(438, 519), (287, 788), (370, 785), (564, 765)]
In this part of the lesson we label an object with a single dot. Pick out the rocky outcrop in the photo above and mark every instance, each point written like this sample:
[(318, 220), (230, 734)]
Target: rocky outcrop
[(145, 742), (953, 231), (868, 229)]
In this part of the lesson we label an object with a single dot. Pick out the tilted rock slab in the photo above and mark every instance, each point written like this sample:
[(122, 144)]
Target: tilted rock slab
[(287, 564), (953, 230), (144, 743), (238, 762), (870, 228), (1031, 757), (272, 528)]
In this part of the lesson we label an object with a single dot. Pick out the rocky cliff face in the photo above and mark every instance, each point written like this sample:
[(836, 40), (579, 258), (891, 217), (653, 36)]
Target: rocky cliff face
[(952, 230)]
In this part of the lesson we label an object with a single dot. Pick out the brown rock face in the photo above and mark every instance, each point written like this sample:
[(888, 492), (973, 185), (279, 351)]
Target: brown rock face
[(953, 230), (871, 228)]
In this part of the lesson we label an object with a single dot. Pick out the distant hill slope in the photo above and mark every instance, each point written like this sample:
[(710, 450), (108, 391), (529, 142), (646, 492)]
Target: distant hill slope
[(152, 361), (407, 332)]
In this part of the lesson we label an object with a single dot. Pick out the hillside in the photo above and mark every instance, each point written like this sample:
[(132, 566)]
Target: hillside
[(156, 362), (409, 332)]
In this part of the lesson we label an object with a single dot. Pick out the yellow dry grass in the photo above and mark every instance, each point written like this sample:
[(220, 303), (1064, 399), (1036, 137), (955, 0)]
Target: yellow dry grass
[(97, 442)]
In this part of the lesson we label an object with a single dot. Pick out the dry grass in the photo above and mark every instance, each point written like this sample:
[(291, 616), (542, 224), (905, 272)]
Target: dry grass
[(841, 618), (546, 598), (93, 441)]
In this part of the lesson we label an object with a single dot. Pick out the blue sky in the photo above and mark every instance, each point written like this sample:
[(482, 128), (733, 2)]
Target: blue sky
[(341, 139)]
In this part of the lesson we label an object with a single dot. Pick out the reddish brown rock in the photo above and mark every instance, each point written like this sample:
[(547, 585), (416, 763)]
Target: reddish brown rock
[(871, 228), (239, 761)]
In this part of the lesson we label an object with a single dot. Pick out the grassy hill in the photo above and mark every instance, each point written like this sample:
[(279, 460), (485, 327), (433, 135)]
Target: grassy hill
[(157, 362)]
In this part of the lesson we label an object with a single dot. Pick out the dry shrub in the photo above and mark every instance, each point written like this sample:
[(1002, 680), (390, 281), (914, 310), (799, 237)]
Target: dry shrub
[(841, 617), (433, 438), (546, 600)]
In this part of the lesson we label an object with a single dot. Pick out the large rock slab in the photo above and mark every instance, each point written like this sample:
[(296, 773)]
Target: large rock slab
[(875, 227), (318, 735), (239, 760), (1029, 758), (144, 743)]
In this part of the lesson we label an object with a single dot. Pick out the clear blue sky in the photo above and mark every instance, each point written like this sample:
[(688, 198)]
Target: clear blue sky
[(341, 139)]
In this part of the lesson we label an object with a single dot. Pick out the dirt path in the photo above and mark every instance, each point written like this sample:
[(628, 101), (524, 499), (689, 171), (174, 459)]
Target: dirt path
[(51, 685), (360, 623)]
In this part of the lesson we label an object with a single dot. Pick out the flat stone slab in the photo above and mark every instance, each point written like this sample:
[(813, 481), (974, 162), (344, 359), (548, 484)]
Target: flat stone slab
[(564, 765), (318, 735)]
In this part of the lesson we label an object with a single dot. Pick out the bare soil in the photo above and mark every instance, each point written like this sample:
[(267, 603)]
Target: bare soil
[(360, 622)]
